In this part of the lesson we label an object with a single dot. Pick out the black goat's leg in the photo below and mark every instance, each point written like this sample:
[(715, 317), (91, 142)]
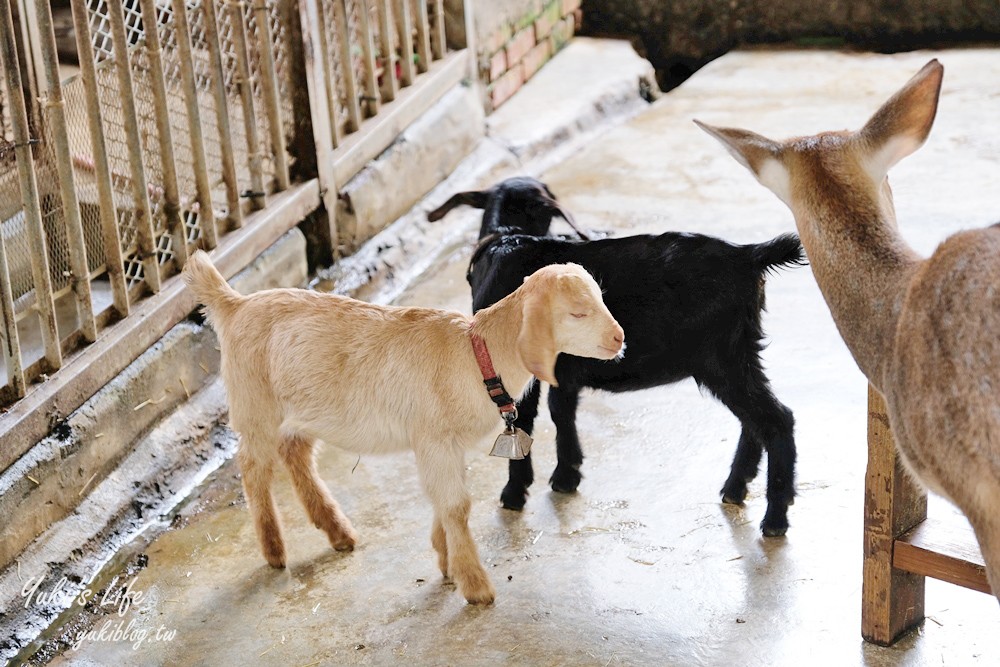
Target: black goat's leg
[(745, 465), (563, 402), (770, 423), (520, 473)]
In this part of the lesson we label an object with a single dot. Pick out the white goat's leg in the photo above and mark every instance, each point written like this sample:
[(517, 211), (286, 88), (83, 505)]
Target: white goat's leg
[(442, 472), (258, 474), (440, 543), (299, 455)]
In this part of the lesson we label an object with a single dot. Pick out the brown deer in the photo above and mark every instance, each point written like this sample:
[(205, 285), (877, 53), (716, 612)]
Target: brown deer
[(926, 332)]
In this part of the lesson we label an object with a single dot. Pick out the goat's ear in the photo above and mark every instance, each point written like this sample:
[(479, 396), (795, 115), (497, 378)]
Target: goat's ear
[(560, 210), (536, 343), (762, 156), (565, 215), (474, 199), (902, 124)]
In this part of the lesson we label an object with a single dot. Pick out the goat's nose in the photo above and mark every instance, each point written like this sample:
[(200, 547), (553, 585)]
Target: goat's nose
[(619, 335)]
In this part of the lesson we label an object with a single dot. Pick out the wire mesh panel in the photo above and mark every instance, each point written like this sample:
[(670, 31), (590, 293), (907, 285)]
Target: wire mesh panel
[(340, 113), (85, 180), (14, 228), (183, 154), (283, 68), (179, 105), (6, 133), (413, 26), (152, 151), (256, 86), (100, 26), (231, 83), (215, 139)]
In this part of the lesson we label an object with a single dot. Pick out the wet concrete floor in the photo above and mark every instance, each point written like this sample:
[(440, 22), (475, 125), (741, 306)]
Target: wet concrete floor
[(643, 566)]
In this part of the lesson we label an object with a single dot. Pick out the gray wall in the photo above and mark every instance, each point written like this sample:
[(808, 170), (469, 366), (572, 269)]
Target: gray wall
[(678, 36)]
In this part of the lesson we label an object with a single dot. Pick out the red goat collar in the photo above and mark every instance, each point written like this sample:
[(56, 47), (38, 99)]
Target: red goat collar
[(494, 386)]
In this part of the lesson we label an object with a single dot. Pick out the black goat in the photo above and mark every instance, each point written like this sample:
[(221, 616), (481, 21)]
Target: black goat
[(690, 306)]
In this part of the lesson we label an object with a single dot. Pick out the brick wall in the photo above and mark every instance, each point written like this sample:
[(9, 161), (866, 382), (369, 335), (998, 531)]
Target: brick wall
[(515, 50)]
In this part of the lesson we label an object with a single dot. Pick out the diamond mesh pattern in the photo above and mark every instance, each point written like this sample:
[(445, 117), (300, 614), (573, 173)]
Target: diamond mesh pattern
[(256, 85), (230, 76), (13, 225), (340, 115)]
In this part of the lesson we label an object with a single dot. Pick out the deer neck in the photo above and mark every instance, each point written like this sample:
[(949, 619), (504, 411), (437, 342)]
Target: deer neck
[(862, 266)]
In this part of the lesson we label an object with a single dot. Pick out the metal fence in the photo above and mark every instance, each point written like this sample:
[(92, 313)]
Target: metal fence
[(173, 131)]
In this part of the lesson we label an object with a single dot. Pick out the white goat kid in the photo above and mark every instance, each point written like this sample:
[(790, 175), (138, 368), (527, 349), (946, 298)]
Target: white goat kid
[(301, 366), (926, 332)]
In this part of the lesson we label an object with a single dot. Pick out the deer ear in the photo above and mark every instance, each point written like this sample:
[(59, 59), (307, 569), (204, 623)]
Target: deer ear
[(902, 124), (762, 156), (474, 199), (536, 343)]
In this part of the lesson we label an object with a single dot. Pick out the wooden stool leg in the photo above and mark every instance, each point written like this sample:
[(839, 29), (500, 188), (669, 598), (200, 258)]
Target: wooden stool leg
[(892, 600)]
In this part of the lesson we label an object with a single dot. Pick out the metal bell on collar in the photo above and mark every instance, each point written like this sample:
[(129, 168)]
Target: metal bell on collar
[(512, 444)]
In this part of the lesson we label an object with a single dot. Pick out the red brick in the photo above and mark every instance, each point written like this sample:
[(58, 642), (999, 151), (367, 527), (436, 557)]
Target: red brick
[(570, 6), (496, 41), (562, 32), (548, 18), (508, 84), (520, 44), (498, 64), (535, 58)]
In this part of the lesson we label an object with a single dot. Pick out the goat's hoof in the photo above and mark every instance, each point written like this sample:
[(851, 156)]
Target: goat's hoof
[(345, 544), (773, 528), (565, 480), (480, 592), (513, 500), (277, 561), (734, 496)]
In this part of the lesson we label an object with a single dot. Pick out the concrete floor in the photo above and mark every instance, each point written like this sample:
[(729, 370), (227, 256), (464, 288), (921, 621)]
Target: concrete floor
[(643, 566)]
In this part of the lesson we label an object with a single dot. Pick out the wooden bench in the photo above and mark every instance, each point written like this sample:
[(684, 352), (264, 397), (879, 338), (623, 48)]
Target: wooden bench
[(901, 545)]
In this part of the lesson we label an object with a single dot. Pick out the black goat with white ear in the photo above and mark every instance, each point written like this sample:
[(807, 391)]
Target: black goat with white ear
[(690, 306)]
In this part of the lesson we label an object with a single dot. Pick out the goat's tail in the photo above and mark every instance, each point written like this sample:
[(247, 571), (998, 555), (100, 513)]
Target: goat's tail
[(779, 252), (210, 287)]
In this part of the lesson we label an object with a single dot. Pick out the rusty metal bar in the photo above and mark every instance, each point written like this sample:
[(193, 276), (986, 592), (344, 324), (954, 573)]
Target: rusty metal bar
[(368, 59), (110, 237), (44, 305), (346, 64), (314, 10), (386, 29), (405, 21), (8, 334), (423, 37), (269, 87), (145, 233), (234, 210), (254, 153), (55, 111), (168, 165), (438, 44), (203, 187), (26, 39), (319, 84)]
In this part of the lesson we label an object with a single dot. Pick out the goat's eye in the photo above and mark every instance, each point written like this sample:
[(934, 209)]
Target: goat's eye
[(578, 315)]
